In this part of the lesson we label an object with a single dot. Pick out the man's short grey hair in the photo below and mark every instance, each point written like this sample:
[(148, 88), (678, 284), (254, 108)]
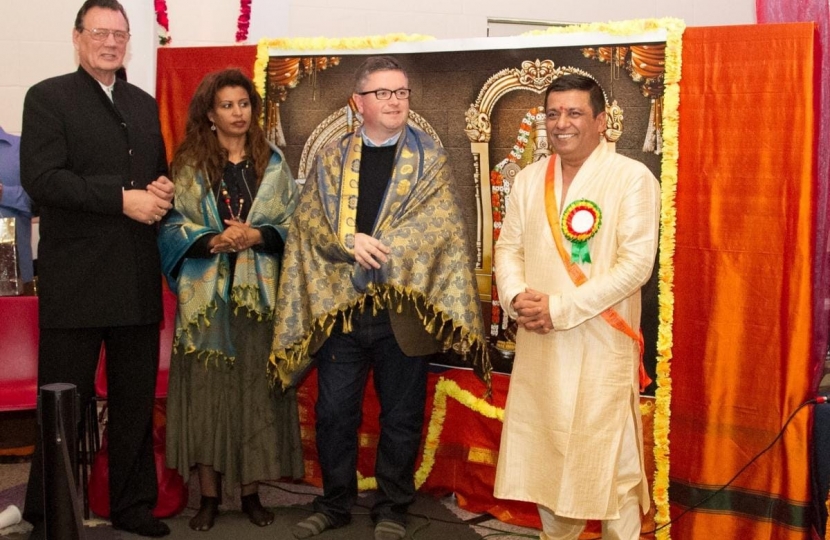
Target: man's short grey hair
[(114, 5), (373, 64)]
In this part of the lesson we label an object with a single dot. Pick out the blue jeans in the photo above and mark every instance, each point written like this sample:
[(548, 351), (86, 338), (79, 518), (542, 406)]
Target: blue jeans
[(343, 364)]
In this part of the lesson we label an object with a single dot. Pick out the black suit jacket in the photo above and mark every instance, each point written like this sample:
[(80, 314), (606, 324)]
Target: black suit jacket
[(96, 266)]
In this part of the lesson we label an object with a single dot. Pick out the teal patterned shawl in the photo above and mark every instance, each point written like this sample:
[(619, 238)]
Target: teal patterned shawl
[(203, 286)]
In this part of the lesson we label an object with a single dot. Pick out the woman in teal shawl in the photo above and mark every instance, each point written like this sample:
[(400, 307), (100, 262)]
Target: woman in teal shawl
[(221, 251)]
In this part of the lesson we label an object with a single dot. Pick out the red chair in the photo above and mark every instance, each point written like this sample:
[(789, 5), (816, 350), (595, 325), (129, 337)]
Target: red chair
[(19, 335)]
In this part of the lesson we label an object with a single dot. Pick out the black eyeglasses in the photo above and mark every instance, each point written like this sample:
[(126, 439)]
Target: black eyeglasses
[(101, 34), (383, 94)]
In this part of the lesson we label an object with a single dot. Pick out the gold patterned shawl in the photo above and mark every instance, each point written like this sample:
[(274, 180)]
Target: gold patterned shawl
[(203, 285), (429, 264)]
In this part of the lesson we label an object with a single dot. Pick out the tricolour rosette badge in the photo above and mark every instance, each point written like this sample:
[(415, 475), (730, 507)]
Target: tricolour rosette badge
[(580, 222)]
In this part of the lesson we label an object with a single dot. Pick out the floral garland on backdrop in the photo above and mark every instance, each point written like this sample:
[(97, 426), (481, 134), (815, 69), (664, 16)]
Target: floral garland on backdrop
[(243, 22), (499, 193), (319, 44), (674, 32)]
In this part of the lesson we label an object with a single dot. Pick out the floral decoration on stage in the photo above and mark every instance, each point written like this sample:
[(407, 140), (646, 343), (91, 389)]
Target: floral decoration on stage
[(163, 22), (244, 21), (444, 389), (580, 222)]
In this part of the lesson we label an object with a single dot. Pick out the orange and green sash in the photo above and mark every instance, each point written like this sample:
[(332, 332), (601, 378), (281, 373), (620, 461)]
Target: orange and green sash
[(575, 272)]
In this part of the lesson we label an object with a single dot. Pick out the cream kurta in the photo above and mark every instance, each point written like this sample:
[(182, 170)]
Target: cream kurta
[(570, 389)]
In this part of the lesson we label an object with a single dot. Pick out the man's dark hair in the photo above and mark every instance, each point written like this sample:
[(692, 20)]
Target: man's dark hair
[(114, 5), (373, 64), (574, 81)]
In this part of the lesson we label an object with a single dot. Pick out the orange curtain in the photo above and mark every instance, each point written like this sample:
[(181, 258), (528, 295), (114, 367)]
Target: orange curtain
[(179, 71), (744, 256)]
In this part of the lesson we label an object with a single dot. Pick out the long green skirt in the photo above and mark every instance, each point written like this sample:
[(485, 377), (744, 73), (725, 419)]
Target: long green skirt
[(230, 417)]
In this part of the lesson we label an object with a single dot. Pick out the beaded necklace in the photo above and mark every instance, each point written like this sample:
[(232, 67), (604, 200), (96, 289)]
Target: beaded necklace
[(226, 197)]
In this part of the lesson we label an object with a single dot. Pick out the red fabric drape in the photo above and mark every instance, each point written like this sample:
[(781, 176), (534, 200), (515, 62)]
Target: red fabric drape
[(818, 11), (179, 71), (743, 322)]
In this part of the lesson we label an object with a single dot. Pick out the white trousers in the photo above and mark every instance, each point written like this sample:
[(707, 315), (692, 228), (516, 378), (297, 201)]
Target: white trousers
[(629, 475)]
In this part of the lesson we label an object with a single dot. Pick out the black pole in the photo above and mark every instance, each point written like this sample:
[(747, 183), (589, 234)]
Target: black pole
[(59, 434)]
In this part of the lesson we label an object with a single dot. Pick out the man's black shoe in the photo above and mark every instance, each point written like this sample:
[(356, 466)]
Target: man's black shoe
[(142, 524)]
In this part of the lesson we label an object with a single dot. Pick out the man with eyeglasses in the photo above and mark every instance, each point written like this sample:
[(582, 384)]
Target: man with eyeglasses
[(376, 276), (93, 159)]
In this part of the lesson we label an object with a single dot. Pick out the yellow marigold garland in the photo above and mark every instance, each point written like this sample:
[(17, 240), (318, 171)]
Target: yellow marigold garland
[(668, 231), (320, 44), (447, 388), (668, 214), (436, 426), (443, 388)]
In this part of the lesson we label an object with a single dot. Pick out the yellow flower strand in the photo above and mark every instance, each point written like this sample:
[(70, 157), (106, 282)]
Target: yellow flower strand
[(668, 231), (436, 426), (443, 388), (619, 28), (366, 484), (319, 44)]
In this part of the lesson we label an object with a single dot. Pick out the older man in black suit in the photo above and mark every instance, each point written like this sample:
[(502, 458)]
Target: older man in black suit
[(93, 159)]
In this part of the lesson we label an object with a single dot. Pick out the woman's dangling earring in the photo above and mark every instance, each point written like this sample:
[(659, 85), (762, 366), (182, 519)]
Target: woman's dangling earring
[(212, 126)]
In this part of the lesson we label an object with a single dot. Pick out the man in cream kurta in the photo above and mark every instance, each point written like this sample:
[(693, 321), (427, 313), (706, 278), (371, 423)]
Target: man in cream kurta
[(572, 438)]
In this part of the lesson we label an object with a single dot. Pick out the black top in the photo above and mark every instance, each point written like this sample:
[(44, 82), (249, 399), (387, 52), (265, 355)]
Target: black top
[(234, 197), (375, 171), (235, 193)]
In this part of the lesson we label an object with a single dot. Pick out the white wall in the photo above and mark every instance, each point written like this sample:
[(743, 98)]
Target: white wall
[(35, 35), (468, 18), (36, 43)]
